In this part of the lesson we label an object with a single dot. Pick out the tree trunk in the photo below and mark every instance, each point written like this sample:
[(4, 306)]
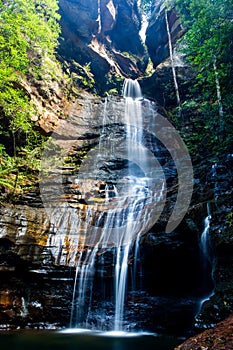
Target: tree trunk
[(218, 90), (172, 60), (99, 17)]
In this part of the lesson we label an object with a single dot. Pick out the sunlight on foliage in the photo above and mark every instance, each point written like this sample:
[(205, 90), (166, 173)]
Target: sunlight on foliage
[(29, 32)]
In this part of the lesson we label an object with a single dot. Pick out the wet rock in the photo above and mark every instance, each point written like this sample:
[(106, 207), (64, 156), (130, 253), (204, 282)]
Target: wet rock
[(213, 192), (167, 254), (35, 300), (218, 338), (168, 314)]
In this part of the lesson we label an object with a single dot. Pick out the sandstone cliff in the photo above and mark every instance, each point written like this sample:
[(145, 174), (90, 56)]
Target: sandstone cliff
[(104, 34)]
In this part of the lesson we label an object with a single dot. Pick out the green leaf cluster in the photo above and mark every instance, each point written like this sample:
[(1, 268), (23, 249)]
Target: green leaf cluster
[(208, 46), (28, 29), (6, 169), (29, 32)]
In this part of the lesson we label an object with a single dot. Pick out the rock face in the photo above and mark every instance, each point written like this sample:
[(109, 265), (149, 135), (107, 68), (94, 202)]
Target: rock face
[(37, 247), (217, 338), (51, 98), (32, 287), (156, 34), (103, 35), (102, 38), (83, 139), (160, 85), (37, 254), (218, 191), (99, 32)]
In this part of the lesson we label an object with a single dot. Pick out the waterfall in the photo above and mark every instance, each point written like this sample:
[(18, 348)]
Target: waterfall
[(133, 96), (122, 215), (206, 264), (99, 211), (132, 90), (136, 268), (115, 193), (205, 234), (121, 271)]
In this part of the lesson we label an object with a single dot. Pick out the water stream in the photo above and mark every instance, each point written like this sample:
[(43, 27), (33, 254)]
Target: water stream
[(205, 236), (99, 212), (206, 263), (123, 214)]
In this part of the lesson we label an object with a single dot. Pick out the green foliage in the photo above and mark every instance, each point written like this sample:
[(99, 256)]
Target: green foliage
[(30, 24), (209, 27), (208, 46), (27, 29), (82, 76), (26, 26), (230, 218), (19, 173), (17, 108), (114, 84), (6, 169), (29, 32), (112, 91)]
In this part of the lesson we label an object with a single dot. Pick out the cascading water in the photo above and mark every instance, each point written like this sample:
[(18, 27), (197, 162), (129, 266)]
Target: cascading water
[(136, 266), (206, 268), (123, 214), (99, 210), (204, 236), (133, 96)]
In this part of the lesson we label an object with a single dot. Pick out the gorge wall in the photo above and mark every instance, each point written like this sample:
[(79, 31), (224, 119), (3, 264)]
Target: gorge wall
[(101, 39), (105, 35), (100, 45)]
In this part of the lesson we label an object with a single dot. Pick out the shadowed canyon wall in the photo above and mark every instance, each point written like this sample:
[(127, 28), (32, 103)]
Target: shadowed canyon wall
[(104, 34)]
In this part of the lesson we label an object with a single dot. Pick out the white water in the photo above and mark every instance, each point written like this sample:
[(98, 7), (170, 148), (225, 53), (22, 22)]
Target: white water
[(207, 279), (120, 225), (205, 235), (144, 24), (136, 264), (132, 90), (99, 17), (117, 196), (133, 114)]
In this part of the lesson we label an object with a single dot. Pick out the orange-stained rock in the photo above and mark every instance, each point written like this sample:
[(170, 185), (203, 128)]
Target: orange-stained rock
[(218, 338), (5, 299)]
